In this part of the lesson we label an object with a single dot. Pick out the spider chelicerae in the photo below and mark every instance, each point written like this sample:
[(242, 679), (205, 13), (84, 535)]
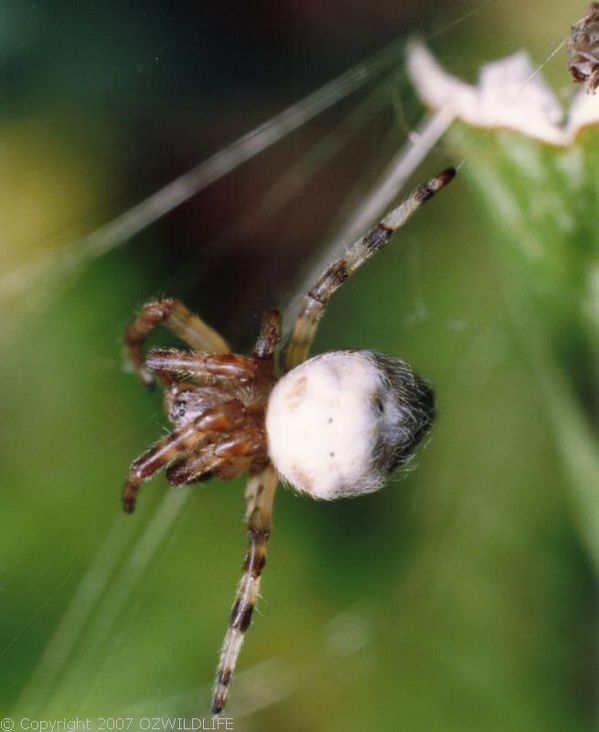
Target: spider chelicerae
[(332, 426)]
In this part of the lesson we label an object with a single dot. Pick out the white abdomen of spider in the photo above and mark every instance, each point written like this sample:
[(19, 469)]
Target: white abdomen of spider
[(340, 423)]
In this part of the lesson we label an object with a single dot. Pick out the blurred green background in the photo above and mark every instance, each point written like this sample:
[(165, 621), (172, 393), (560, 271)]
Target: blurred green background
[(460, 597)]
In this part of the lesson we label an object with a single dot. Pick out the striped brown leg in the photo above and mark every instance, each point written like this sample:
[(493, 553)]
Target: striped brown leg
[(199, 465), (270, 335), (238, 448), (182, 322), (222, 418), (202, 365), (260, 494), (315, 302)]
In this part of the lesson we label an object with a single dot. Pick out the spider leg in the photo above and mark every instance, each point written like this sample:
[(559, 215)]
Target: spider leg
[(222, 418), (270, 335), (198, 465), (260, 493), (202, 365), (259, 496), (182, 322), (208, 459), (315, 302)]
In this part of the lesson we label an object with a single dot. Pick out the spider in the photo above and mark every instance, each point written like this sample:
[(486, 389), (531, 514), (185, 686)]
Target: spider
[(583, 49), (332, 426)]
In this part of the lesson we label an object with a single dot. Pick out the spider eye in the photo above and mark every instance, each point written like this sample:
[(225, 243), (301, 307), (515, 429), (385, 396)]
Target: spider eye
[(178, 410)]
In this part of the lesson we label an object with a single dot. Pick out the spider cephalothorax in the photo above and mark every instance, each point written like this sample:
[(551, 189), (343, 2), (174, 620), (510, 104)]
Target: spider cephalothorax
[(219, 416), (332, 426)]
